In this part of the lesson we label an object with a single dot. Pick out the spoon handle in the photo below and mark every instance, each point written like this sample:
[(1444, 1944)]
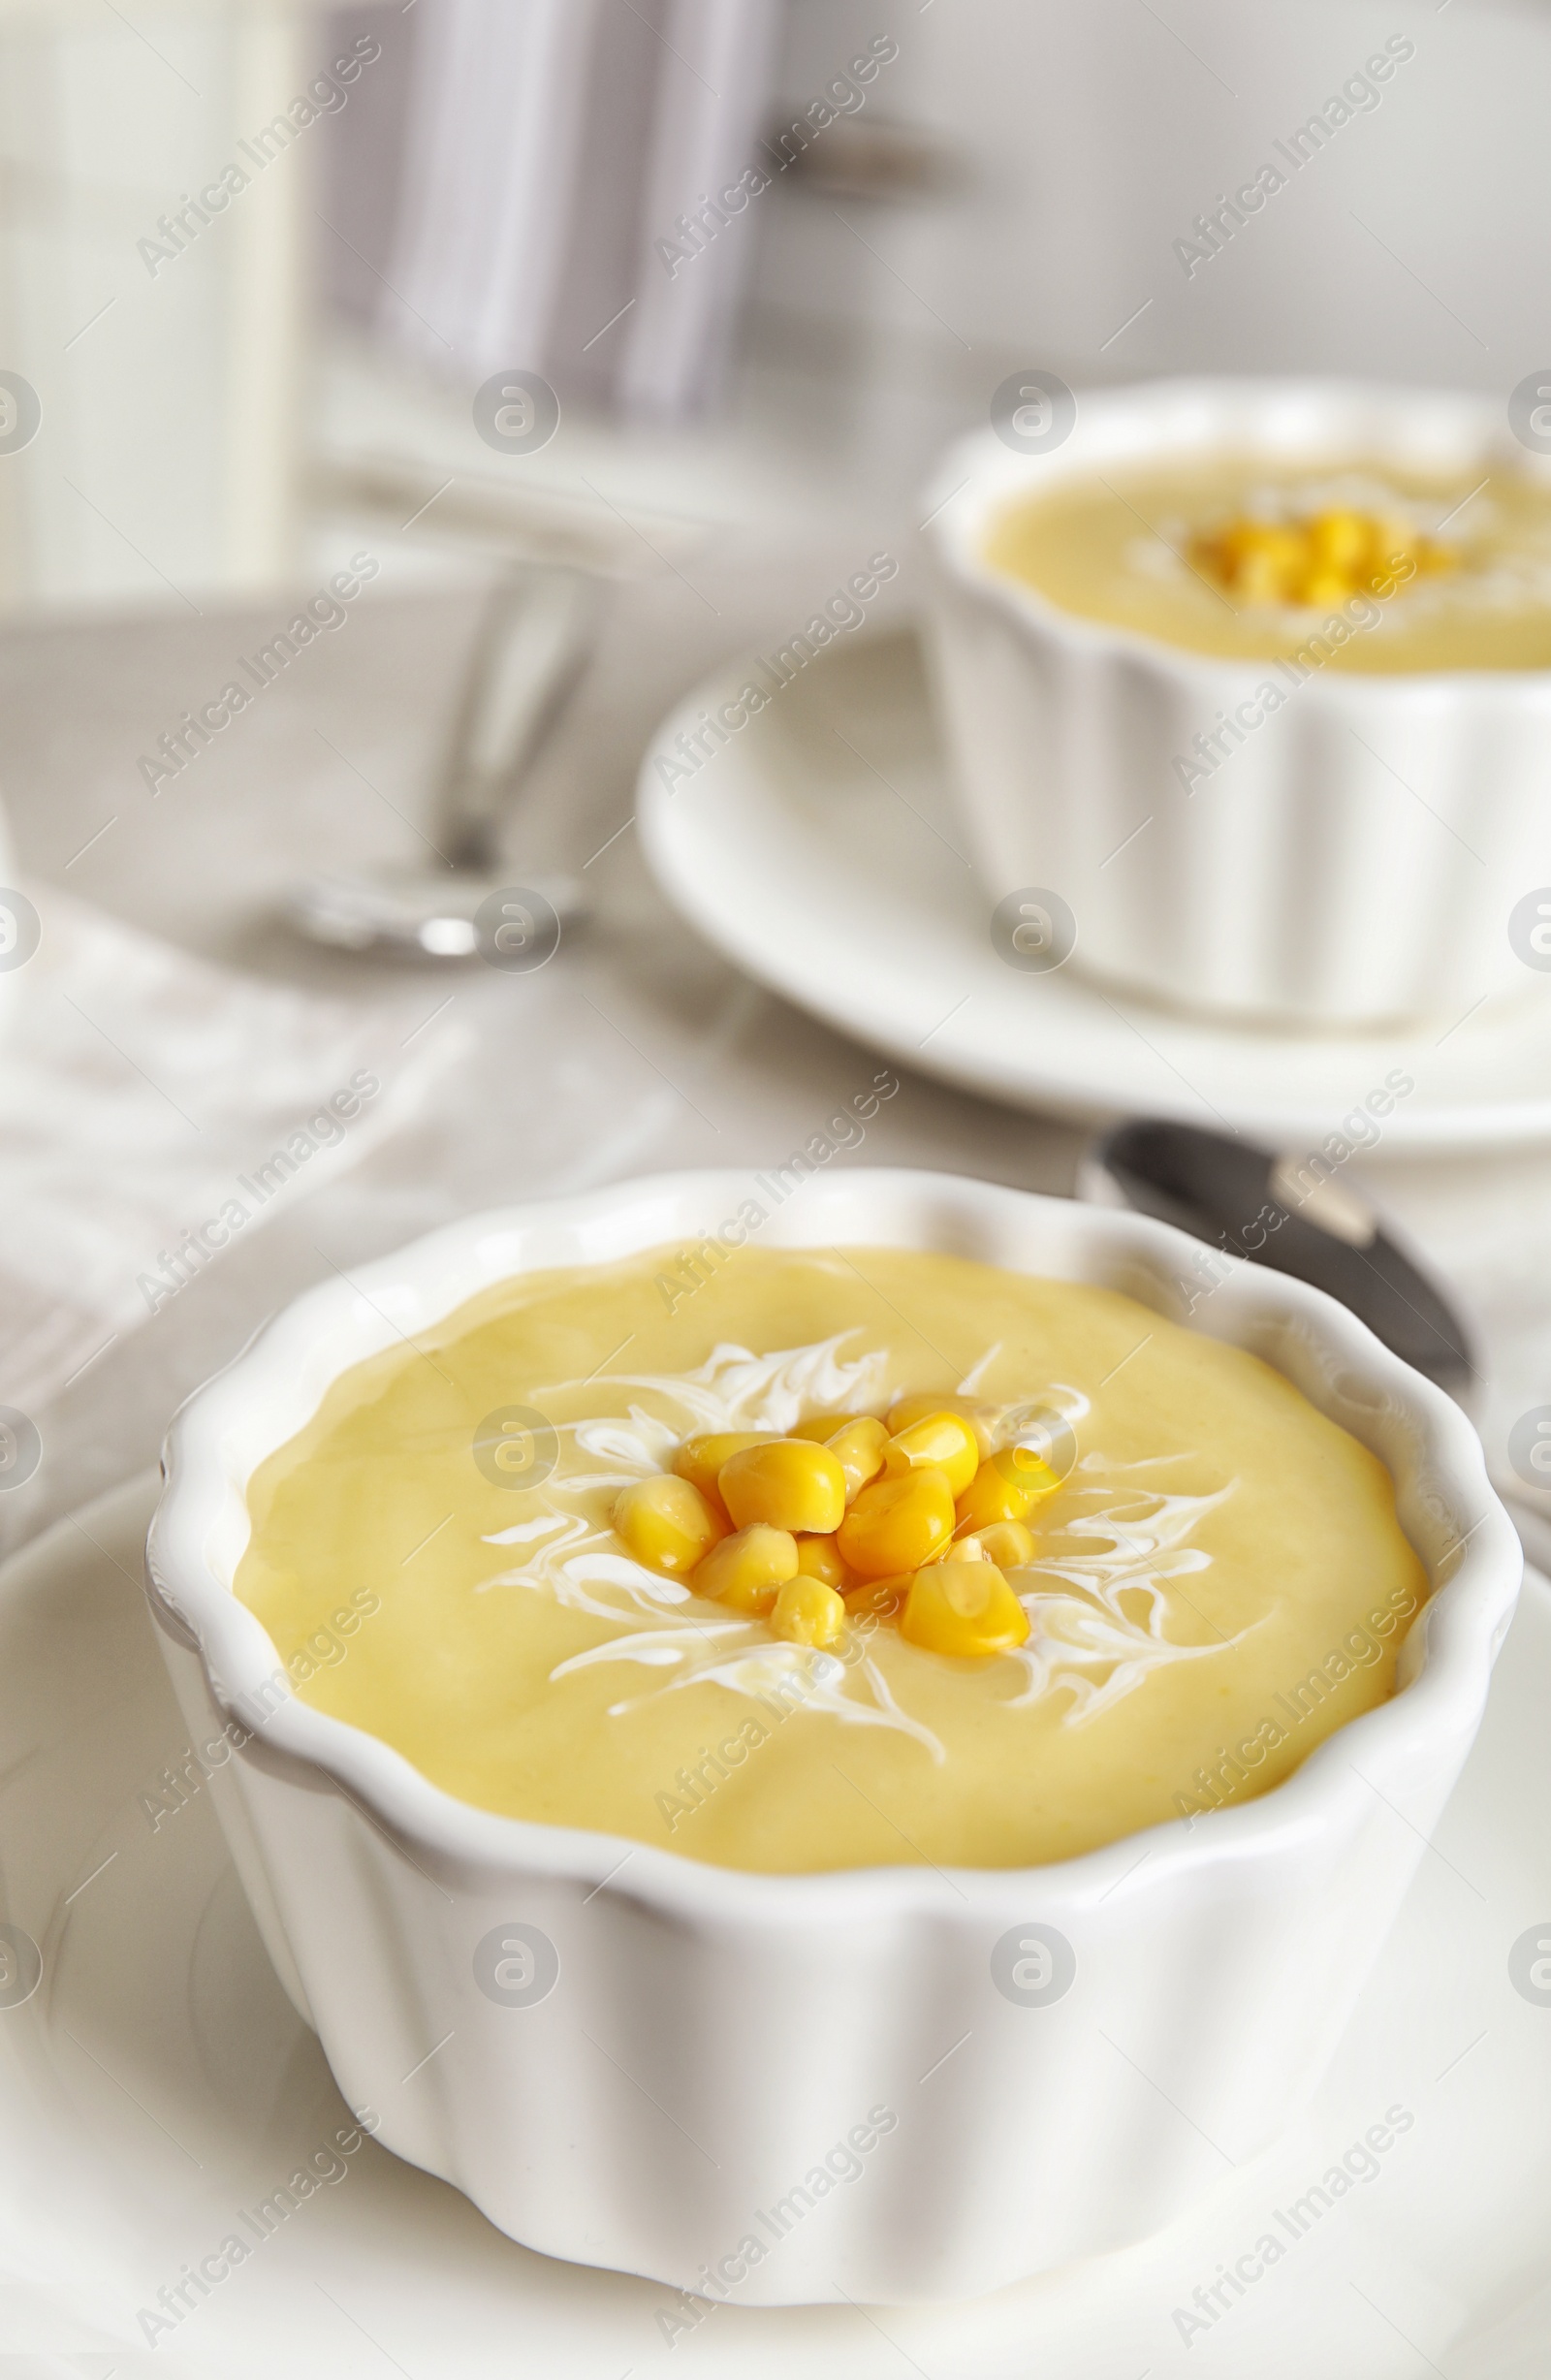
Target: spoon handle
[(1248, 1203), (534, 643)]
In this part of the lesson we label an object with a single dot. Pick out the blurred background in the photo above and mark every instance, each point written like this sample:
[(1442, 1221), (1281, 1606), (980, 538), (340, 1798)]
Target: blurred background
[(266, 274), (232, 400)]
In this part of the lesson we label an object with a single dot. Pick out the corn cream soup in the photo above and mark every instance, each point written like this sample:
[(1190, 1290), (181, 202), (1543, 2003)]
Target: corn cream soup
[(1236, 561), (836, 1559)]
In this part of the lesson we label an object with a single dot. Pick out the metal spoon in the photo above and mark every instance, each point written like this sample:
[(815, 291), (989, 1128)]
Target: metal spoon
[(1274, 1211), (534, 643)]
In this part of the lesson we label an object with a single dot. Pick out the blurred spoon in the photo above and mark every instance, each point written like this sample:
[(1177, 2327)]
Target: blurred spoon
[(1263, 1207), (534, 643)]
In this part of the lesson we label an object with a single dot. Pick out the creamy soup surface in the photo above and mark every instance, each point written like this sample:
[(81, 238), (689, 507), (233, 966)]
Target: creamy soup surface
[(1218, 1582), (1237, 559)]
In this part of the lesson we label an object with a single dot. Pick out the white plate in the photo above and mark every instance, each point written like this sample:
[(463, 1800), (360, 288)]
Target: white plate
[(818, 850), (158, 2086)]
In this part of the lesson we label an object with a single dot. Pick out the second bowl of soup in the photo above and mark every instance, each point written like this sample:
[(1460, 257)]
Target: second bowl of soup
[(1256, 678)]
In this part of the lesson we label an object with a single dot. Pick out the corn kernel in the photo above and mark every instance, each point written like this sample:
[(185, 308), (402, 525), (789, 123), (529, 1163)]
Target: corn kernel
[(896, 1524), (969, 1549), (964, 1607), (747, 1571), (808, 1612), (966, 1546), (1255, 559), (1265, 563), (1339, 541), (1027, 1469), (819, 1557), (858, 1448), (666, 1523), (1247, 540), (1321, 588), (943, 1441), (790, 1482), (1005, 1488), (820, 1427), (1007, 1543), (700, 1458), (905, 1411), (878, 1597)]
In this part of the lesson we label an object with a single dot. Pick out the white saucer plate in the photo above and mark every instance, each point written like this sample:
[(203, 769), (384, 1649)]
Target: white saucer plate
[(818, 849), (157, 2088)]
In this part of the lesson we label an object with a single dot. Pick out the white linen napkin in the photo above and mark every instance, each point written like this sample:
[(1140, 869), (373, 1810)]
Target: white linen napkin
[(153, 1109)]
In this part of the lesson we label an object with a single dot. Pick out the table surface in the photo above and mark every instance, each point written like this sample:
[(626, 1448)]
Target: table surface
[(636, 1050)]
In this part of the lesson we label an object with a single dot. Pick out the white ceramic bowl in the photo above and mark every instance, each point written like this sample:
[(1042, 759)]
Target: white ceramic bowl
[(715, 2036), (1356, 857)]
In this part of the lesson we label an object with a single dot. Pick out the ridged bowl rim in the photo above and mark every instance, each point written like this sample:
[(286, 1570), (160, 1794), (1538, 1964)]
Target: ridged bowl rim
[(218, 1436), (1282, 417)]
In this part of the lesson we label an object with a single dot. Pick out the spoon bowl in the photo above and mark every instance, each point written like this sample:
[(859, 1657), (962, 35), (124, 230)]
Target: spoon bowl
[(534, 644), (429, 913)]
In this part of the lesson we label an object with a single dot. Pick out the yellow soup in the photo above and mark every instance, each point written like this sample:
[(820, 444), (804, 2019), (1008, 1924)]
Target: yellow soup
[(1368, 568), (1206, 1578)]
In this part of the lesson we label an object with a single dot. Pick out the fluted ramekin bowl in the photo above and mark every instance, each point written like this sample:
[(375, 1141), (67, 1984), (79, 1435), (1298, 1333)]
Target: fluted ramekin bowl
[(769, 2088), (1350, 858)]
